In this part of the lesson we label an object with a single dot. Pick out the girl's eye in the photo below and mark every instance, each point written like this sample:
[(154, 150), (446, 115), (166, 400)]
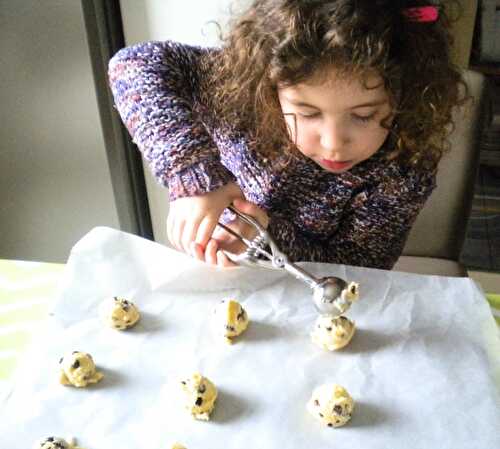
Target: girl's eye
[(311, 116), (363, 118)]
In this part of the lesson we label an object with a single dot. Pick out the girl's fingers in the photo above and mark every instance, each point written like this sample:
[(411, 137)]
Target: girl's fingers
[(179, 231), (211, 252), (189, 234), (205, 230), (176, 233), (253, 210), (197, 251)]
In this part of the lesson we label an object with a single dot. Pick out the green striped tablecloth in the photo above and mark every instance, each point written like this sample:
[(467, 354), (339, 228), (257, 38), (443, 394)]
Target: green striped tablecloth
[(26, 290), (494, 300)]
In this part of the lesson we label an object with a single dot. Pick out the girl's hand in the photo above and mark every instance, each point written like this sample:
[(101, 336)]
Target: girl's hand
[(223, 241), (193, 219)]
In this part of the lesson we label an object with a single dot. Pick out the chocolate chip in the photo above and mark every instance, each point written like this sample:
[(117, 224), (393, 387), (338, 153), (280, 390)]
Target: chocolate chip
[(321, 415), (337, 409), (316, 402), (199, 401), (61, 359), (329, 329), (183, 382), (330, 424), (241, 316), (230, 328), (202, 389), (76, 364)]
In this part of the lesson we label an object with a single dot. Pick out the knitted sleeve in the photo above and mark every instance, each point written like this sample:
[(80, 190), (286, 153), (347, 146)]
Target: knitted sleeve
[(155, 85), (372, 234)]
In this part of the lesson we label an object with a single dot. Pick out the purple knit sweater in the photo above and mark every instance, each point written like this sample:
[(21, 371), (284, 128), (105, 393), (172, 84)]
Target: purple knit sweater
[(361, 217)]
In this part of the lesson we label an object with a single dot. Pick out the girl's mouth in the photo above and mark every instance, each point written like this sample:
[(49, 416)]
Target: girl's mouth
[(335, 165)]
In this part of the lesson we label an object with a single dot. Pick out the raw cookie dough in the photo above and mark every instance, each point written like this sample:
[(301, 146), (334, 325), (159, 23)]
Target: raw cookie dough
[(331, 404), (178, 446), (332, 333), (348, 296), (231, 319), (199, 395), (55, 443), (351, 292), (78, 369), (120, 313)]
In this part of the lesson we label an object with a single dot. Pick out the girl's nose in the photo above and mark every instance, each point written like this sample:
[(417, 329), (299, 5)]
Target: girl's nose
[(334, 136)]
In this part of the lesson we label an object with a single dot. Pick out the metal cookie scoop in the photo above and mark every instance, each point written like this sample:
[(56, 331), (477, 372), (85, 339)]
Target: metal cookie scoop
[(331, 295)]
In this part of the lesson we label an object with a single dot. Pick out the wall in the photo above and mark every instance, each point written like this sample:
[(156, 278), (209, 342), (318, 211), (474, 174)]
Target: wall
[(462, 31), (54, 178)]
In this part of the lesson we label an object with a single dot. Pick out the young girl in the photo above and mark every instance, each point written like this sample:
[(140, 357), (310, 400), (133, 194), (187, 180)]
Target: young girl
[(325, 120)]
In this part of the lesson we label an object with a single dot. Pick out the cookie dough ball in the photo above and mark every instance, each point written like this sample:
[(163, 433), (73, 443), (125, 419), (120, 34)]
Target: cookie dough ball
[(55, 443), (178, 446), (351, 292), (231, 319), (199, 395), (331, 404), (78, 369), (349, 295), (332, 333), (120, 313)]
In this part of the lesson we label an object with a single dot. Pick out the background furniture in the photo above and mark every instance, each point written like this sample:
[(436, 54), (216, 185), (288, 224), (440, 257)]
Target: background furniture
[(436, 240)]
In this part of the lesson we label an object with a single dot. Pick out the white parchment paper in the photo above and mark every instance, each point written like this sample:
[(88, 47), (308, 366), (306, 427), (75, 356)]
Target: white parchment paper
[(423, 367)]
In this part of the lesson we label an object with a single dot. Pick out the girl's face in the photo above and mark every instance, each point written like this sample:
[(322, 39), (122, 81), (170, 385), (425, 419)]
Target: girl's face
[(336, 123)]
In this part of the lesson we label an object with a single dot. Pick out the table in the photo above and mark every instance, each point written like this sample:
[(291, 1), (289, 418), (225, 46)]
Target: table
[(104, 262), (26, 290)]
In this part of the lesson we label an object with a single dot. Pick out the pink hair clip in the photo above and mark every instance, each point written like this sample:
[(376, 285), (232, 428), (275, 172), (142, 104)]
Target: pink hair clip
[(421, 14)]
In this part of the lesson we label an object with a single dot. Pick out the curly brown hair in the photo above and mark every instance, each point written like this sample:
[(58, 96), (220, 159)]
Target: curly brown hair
[(285, 42)]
